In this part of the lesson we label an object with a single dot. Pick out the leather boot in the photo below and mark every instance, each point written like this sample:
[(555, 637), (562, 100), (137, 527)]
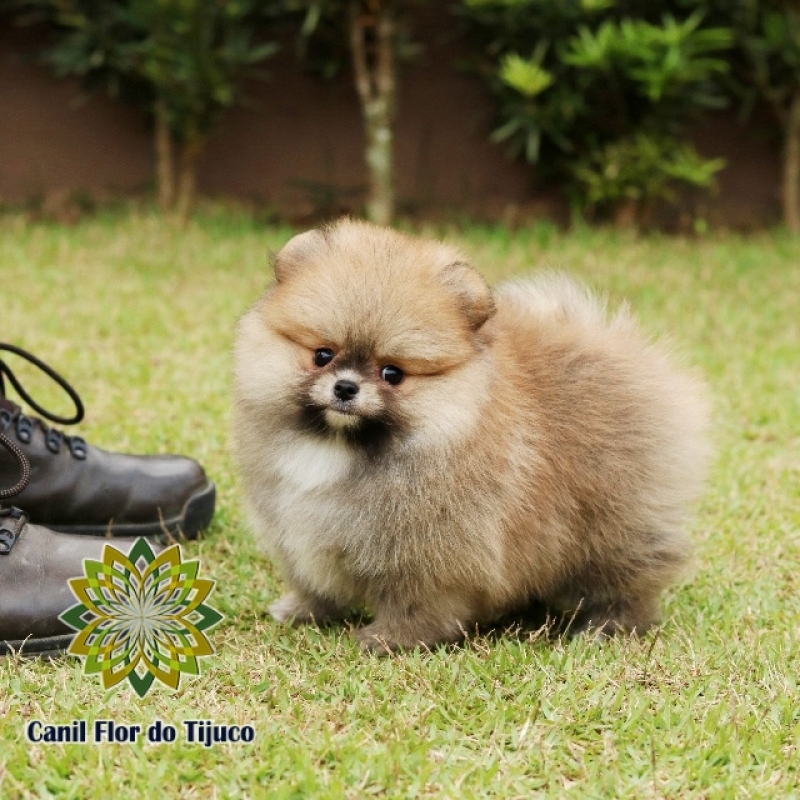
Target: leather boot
[(77, 488), (35, 565)]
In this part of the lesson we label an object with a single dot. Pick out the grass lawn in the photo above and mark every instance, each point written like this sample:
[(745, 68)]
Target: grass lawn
[(140, 318)]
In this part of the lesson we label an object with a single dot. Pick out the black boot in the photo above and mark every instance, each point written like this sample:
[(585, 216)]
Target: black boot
[(80, 489), (35, 565)]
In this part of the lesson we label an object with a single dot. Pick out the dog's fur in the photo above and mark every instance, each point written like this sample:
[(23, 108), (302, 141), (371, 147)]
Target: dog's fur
[(537, 448)]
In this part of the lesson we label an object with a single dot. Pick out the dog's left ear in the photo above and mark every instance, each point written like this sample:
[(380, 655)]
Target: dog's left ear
[(471, 290), (296, 252)]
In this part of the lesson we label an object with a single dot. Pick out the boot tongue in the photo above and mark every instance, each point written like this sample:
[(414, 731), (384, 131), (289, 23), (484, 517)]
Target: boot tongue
[(7, 404)]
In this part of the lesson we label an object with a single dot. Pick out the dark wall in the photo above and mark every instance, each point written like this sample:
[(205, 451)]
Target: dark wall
[(298, 143), (51, 139)]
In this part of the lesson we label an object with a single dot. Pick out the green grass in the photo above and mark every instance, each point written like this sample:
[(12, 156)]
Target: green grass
[(140, 317)]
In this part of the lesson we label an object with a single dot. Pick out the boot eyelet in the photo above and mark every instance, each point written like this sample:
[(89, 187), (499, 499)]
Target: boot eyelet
[(7, 540), (78, 448), (24, 429), (53, 441)]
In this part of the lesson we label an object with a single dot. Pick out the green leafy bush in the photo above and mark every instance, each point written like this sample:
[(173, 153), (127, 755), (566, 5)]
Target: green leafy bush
[(182, 61), (634, 172), (598, 93)]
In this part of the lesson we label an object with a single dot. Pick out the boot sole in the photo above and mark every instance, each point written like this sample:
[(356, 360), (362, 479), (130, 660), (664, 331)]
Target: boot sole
[(195, 516), (46, 647)]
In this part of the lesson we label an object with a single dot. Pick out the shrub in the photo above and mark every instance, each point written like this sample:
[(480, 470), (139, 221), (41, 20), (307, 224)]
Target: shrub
[(182, 61), (599, 93)]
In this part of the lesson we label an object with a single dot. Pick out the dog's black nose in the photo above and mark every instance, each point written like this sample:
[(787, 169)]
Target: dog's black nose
[(345, 390)]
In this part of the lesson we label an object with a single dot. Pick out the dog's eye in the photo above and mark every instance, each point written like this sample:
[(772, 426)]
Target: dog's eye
[(323, 356), (392, 374)]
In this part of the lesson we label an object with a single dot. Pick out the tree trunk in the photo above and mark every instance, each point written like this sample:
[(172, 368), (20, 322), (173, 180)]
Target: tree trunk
[(790, 191), (372, 45), (380, 146), (165, 170), (187, 179)]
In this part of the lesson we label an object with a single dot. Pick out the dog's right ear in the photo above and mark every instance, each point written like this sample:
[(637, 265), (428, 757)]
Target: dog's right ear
[(471, 291), (296, 252)]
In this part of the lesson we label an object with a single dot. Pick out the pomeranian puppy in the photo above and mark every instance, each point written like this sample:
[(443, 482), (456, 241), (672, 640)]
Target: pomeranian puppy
[(417, 446)]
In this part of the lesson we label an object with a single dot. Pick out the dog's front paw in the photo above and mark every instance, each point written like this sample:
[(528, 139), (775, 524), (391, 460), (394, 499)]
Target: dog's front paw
[(373, 639), (383, 639), (299, 609)]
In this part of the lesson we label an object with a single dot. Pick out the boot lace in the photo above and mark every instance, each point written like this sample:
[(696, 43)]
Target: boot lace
[(11, 414), (12, 520)]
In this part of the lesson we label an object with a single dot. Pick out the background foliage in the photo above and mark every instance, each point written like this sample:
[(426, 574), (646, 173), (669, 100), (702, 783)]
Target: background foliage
[(181, 61), (599, 95)]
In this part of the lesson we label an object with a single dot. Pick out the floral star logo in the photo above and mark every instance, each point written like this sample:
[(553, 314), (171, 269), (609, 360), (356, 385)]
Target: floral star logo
[(141, 617)]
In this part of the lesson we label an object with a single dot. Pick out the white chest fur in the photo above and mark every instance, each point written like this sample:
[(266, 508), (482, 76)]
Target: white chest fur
[(308, 464), (304, 522)]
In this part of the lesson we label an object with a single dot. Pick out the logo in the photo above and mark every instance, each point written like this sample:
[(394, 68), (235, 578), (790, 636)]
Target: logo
[(141, 617)]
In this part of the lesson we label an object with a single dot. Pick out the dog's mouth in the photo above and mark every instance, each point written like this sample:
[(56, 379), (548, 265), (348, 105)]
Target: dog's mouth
[(342, 415), (334, 415), (342, 419)]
